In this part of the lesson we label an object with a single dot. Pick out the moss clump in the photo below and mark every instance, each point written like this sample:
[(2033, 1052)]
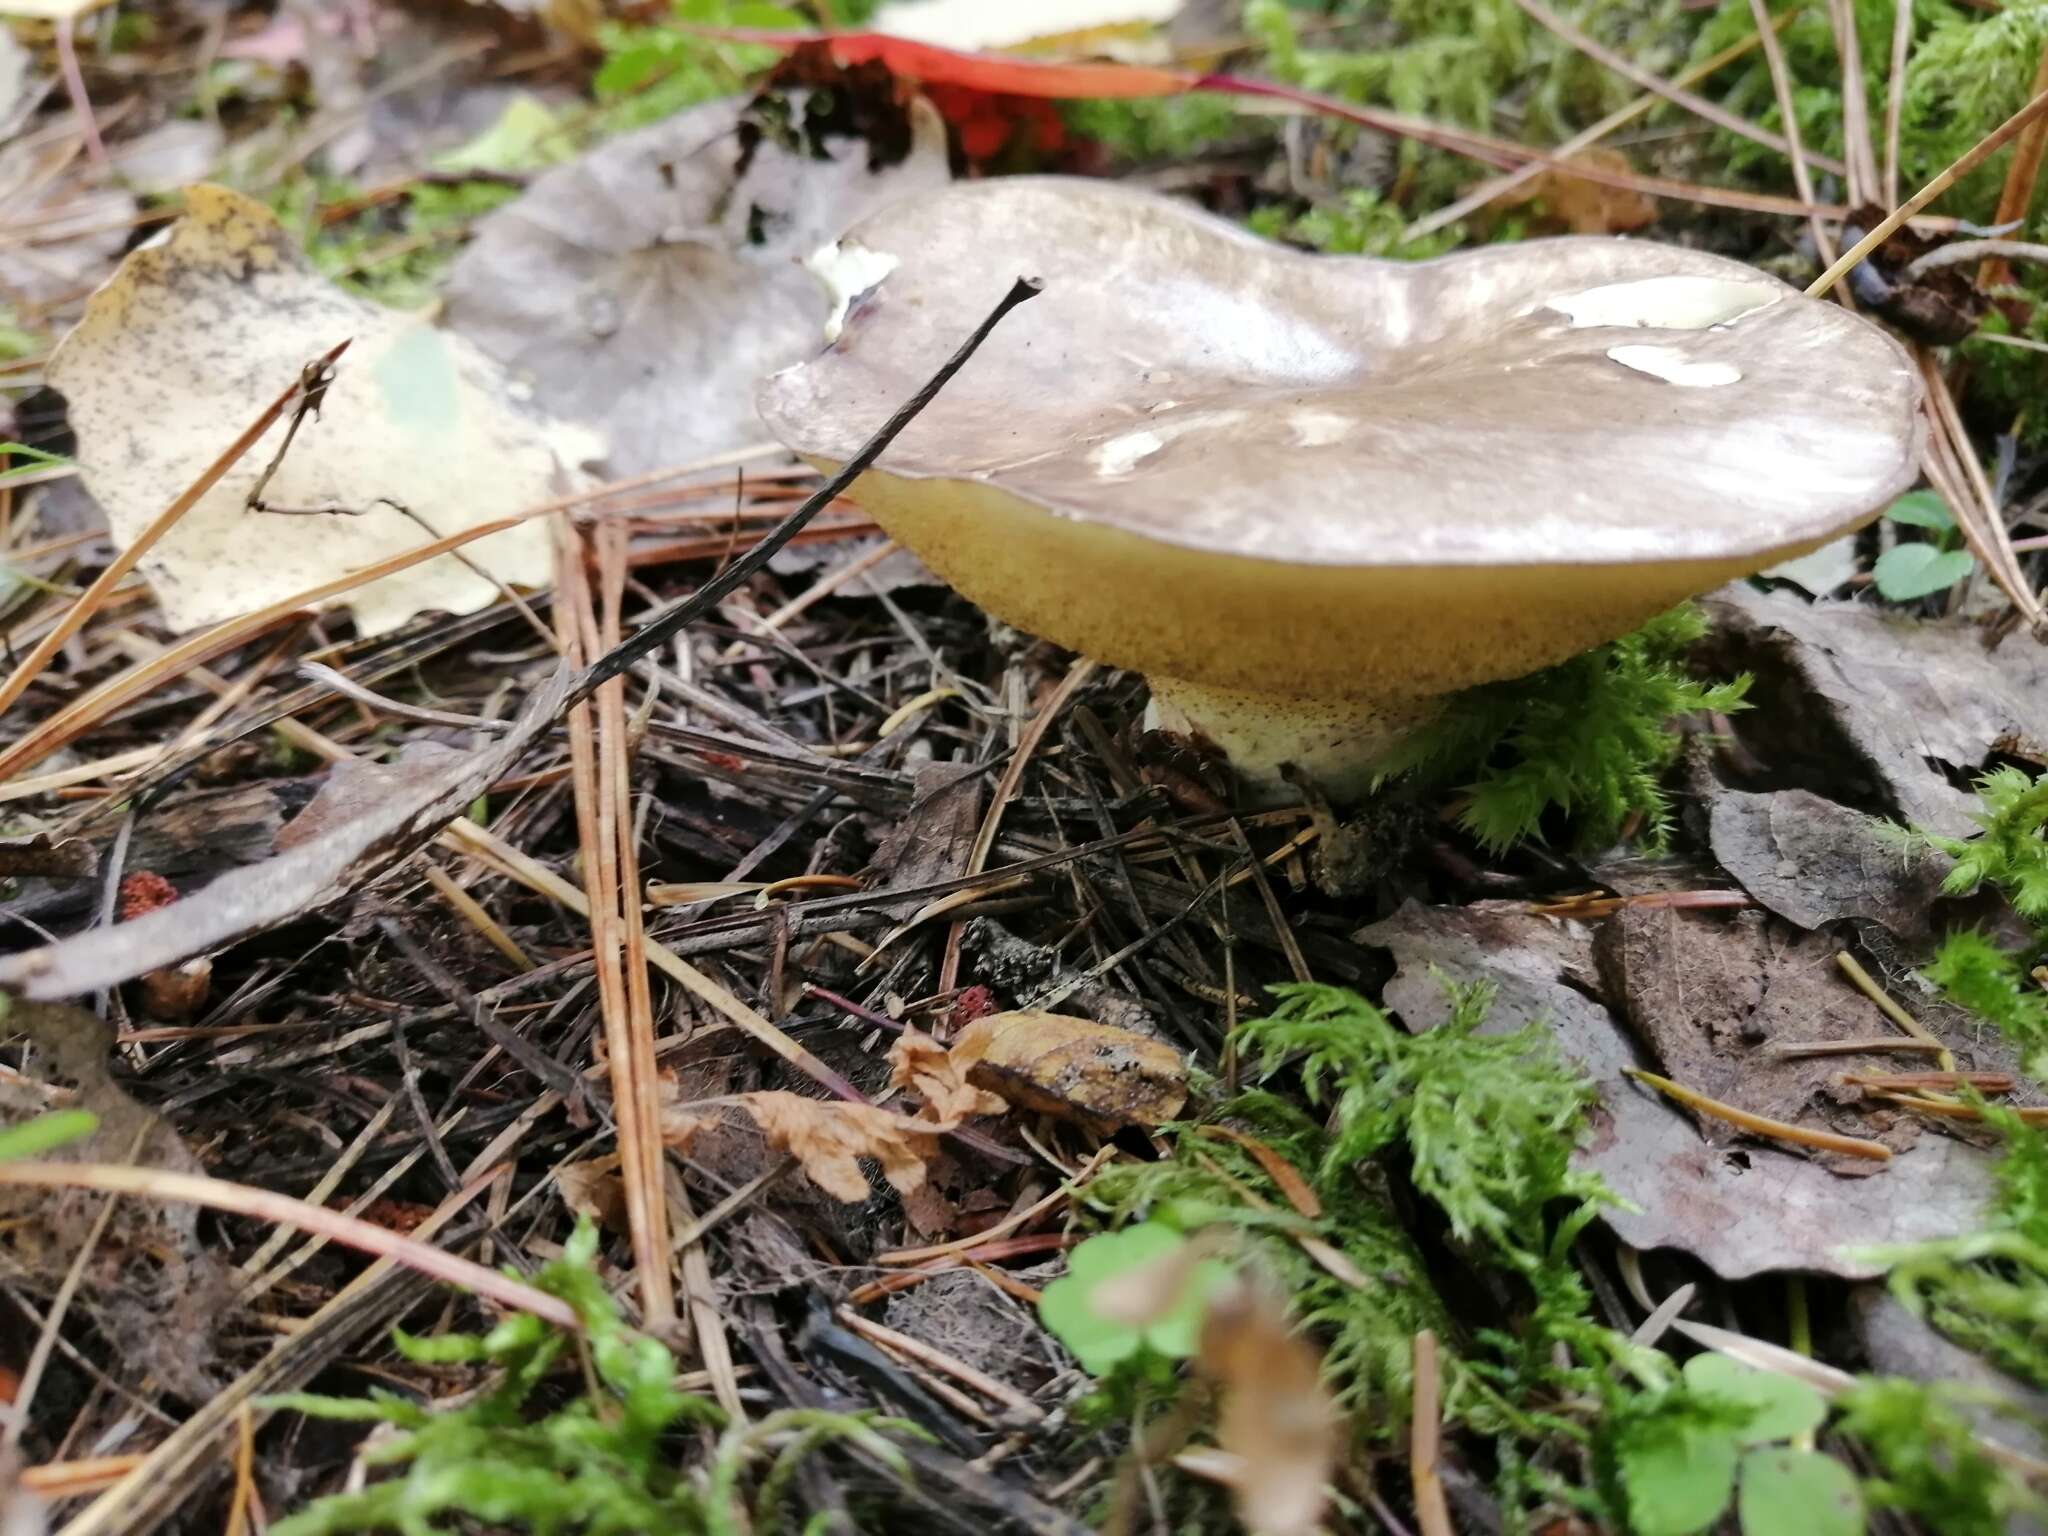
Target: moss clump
[(1590, 738)]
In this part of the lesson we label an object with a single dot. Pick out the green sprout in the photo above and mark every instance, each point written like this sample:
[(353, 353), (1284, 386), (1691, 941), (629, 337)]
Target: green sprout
[(1102, 1339), (1922, 567), (1682, 1454)]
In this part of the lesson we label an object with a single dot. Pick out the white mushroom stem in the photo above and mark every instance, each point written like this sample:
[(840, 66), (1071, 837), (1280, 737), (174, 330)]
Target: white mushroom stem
[(1337, 743)]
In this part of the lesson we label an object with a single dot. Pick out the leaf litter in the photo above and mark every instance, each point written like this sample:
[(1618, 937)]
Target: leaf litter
[(329, 1062), (418, 435)]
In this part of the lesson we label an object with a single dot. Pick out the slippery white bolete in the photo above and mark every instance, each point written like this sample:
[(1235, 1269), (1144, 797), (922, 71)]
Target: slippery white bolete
[(1309, 496)]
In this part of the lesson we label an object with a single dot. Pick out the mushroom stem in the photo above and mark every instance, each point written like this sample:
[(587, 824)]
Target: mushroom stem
[(1335, 743)]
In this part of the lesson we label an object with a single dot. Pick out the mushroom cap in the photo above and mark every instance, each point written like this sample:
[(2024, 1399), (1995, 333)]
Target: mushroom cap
[(1202, 455)]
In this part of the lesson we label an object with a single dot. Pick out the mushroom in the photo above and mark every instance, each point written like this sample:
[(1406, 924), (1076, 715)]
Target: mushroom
[(1311, 496)]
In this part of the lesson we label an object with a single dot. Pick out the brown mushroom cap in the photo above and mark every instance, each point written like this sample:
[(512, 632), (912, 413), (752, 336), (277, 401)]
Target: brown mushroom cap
[(1211, 458)]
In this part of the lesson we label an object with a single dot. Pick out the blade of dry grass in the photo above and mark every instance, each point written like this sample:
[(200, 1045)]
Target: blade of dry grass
[(266, 1205), (1786, 143), (1961, 479), (1965, 163), (1862, 162), (89, 601), (1781, 87), (1895, 96), (598, 809), (1499, 186)]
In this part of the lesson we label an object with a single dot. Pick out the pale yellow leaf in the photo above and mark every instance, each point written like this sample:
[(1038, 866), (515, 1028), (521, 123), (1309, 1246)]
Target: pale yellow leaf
[(1094, 1073), (190, 339)]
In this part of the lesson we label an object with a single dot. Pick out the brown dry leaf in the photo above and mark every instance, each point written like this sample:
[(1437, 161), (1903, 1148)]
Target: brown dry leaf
[(828, 1137), (198, 330), (340, 859), (1743, 1210), (1277, 1423), (592, 1190), (1096, 1074), (926, 1068), (1584, 207), (1923, 705)]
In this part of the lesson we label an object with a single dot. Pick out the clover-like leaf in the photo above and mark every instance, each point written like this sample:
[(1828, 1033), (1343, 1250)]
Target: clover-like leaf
[(1677, 1479), (1907, 571), (1779, 1407), (1922, 509), (1142, 1287), (1785, 1492)]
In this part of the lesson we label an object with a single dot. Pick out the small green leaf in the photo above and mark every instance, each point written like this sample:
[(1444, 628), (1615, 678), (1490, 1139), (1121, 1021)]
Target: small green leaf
[(1907, 571), (1678, 1482), (1798, 1493), (1100, 1343), (1922, 509), (45, 1133), (1779, 1407)]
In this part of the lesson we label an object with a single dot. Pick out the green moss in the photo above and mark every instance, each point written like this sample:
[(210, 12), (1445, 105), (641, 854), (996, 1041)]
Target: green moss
[(1930, 1464), (1590, 738), (652, 72), (1976, 974), (396, 254), (1356, 223), (1989, 1291), (598, 1463)]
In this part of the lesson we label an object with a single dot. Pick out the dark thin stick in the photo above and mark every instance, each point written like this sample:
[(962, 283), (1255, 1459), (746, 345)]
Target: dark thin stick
[(658, 631)]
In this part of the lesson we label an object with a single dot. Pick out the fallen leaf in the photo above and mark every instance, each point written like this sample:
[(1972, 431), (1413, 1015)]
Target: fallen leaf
[(196, 332), (1276, 1419), (828, 1137), (1096, 1074), (926, 1068), (288, 884), (1587, 207), (591, 1189), (1814, 862), (356, 786), (1920, 705), (646, 286), (1710, 994), (1743, 1210)]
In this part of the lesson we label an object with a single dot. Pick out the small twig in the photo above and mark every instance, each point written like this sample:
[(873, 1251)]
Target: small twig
[(1983, 1082), (1763, 1125), (1952, 1109), (1808, 1048)]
